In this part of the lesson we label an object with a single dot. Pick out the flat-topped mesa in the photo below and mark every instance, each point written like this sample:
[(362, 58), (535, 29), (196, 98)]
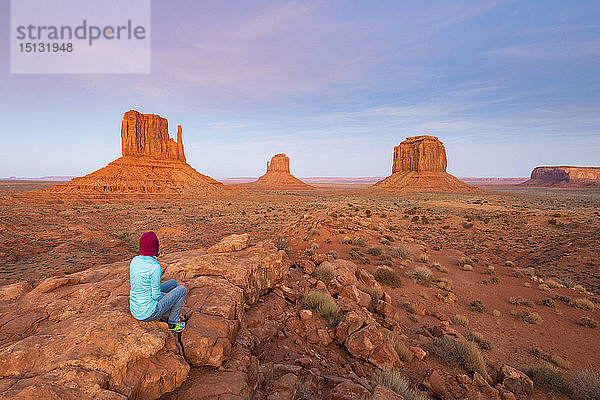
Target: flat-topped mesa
[(147, 135), (564, 176), (420, 153), (279, 163), (419, 164)]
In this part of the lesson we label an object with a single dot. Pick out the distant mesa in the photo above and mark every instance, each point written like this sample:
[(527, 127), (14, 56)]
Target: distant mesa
[(278, 177), (152, 162), (564, 176), (420, 165)]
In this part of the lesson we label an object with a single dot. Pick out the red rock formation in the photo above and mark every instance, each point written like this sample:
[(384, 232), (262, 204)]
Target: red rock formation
[(419, 164), (278, 177), (152, 162), (564, 176)]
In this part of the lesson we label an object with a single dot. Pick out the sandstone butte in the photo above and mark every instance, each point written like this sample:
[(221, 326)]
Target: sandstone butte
[(419, 164), (278, 177), (151, 163), (564, 176)]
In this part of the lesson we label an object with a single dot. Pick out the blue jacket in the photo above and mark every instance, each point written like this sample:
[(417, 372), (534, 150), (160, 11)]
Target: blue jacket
[(144, 278)]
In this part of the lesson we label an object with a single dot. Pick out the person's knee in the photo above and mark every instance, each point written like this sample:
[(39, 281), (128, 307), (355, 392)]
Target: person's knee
[(182, 290)]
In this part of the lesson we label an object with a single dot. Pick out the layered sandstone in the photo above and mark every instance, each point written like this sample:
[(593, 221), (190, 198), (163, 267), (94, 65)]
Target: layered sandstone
[(73, 337), (564, 176), (278, 176), (419, 164), (152, 163)]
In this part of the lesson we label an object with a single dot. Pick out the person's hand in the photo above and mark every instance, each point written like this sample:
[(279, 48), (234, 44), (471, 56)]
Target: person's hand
[(163, 293)]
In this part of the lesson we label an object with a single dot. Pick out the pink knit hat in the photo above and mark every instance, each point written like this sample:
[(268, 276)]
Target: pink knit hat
[(149, 244)]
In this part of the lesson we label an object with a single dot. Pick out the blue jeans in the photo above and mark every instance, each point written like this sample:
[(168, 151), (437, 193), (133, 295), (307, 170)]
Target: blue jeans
[(170, 304)]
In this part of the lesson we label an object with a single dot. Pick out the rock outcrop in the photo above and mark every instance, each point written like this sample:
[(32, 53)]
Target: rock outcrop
[(152, 163), (564, 176), (73, 337), (419, 164), (278, 177)]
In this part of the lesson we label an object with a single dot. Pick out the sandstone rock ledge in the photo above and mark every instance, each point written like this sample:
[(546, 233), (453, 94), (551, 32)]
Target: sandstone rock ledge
[(72, 337)]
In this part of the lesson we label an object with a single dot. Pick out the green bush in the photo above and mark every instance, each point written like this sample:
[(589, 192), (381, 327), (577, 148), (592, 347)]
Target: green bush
[(322, 302)]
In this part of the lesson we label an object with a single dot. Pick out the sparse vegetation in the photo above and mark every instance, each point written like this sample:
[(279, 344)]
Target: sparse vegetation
[(452, 353), (387, 276), (549, 379), (332, 254), (322, 302), (424, 258), (461, 319), (281, 243), (421, 274), (529, 316), (394, 381), (324, 272), (375, 292), (401, 252), (585, 385), (523, 272), (520, 301), (403, 352), (375, 251), (583, 304), (480, 340), (477, 306), (589, 322), (409, 307), (464, 261), (345, 240)]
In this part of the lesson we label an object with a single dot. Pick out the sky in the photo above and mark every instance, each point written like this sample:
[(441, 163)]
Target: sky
[(505, 85)]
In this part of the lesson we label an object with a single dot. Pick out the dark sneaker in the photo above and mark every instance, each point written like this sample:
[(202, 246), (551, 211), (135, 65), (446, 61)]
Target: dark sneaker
[(178, 327)]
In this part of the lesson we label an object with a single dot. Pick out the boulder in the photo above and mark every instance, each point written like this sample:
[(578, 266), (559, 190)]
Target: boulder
[(230, 243), (516, 381), (348, 390), (383, 393)]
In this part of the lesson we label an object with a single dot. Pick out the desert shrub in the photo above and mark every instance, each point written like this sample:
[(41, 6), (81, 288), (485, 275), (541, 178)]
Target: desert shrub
[(368, 213), (324, 272), (452, 353), (403, 351), (496, 313), (467, 225), (415, 218), (389, 238), (520, 301), (585, 385), (314, 246), (394, 381), (530, 317), (421, 274), (444, 284), (557, 360), (309, 252), (387, 276), (464, 261), (409, 307), (548, 302), (323, 304), (583, 304), (424, 258), (332, 254), (548, 379), (467, 267), (564, 299), (345, 240), (401, 252), (495, 280), (281, 243), (523, 272), (552, 284), (356, 254), (375, 251), (375, 292), (360, 242), (544, 288), (480, 340), (589, 322), (477, 305), (439, 267), (461, 319), (509, 264)]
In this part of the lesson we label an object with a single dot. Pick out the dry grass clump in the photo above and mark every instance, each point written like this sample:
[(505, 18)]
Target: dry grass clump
[(549, 379), (322, 302), (374, 251), (409, 307), (452, 353), (552, 284), (358, 255), (440, 267), (361, 242), (585, 385), (583, 304), (509, 264), (424, 258), (520, 301), (324, 272), (421, 274), (375, 292), (387, 276), (401, 252), (467, 267), (589, 322), (461, 319), (477, 305), (496, 313), (403, 351), (528, 316), (346, 240), (557, 360), (548, 302), (332, 254), (394, 381), (465, 261), (480, 340), (444, 284), (523, 272)]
